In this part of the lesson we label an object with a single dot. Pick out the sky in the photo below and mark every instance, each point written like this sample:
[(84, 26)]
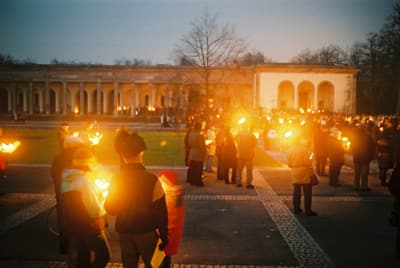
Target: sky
[(103, 31)]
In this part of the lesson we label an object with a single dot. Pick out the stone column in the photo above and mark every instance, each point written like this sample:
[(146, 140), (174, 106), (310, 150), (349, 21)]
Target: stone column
[(150, 92), (14, 98), (98, 98), (64, 98), (47, 98), (315, 95), (30, 98), (167, 100), (81, 99), (115, 112), (132, 101), (24, 100)]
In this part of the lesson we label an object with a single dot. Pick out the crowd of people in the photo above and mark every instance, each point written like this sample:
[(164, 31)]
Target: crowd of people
[(137, 197), (234, 155), (147, 219)]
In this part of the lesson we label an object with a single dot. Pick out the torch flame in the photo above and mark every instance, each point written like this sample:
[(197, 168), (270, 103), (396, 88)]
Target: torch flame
[(9, 148), (241, 121), (95, 139)]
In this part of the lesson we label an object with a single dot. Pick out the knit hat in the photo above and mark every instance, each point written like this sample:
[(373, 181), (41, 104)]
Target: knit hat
[(132, 145), (83, 157)]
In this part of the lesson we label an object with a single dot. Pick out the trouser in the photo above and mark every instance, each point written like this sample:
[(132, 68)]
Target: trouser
[(209, 163), (195, 172), (220, 171), (307, 190), (82, 246), (383, 174), (320, 165), (334, 171), (135, 245), (361, 171), (248, 164), (225, 172)]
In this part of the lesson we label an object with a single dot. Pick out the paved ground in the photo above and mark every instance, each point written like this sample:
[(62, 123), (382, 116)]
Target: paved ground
[(225, 226)]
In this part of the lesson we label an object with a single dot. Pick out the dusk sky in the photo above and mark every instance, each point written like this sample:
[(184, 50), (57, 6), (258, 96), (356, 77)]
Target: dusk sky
[(102, 31)]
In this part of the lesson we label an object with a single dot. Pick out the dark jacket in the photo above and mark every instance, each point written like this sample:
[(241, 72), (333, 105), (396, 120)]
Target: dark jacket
[(362, 146), (384, 149), (335, 151), (131, 201)]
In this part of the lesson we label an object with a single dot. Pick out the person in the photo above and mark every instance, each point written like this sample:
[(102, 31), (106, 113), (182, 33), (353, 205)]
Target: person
[(83, 212), (320, 149), (363, 149), (246, 145), (122, 134), (3, 161), (211, 148), (219, 141), (62, 161), (336, 159), (186, 144), (384, 152), (394, 219), (174, 198), (62, 134), (197, 154), (298, 159), (137, 200), (228, 157)]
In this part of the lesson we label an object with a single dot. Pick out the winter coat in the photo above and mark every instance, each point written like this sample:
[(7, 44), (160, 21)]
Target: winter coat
[(197, 144), (335, 151), (363, 147), (228, 151), (246, 144), (298, 159), (137, 200), (384, 152), (81, 203)]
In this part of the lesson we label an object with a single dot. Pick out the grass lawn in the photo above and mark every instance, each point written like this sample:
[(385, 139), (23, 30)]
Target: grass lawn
[(163, 148)]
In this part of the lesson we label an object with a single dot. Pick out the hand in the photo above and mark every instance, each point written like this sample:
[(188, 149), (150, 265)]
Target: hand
[(163, 244)]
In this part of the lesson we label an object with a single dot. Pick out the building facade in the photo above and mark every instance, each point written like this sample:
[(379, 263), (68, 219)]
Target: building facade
[(115, 90)]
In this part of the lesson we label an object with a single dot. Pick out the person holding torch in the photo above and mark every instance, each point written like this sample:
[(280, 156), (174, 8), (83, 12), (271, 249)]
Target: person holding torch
[(137, 199), (83, 212)]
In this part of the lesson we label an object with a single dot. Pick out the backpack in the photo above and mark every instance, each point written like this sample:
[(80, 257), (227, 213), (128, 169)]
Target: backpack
[(394, 182)]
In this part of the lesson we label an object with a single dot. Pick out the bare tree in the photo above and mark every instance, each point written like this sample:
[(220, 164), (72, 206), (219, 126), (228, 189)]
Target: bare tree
[(253, 58), (306, 56), (332, 55), (209, 44)]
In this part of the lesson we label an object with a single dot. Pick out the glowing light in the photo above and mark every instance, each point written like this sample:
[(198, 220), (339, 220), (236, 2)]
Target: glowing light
[(9, 147), (75, 134), (256, 134), (163, 143), (302, 123), (301, 110), (96, 138), (288, 134), (346, 143), (102, 178), (381, 129), (208, 142), (281, 121), (241, 121), (151, 108), (76, 110)]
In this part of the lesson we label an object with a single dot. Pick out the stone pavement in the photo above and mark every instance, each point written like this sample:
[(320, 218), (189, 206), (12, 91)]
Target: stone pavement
[(226, 226)]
